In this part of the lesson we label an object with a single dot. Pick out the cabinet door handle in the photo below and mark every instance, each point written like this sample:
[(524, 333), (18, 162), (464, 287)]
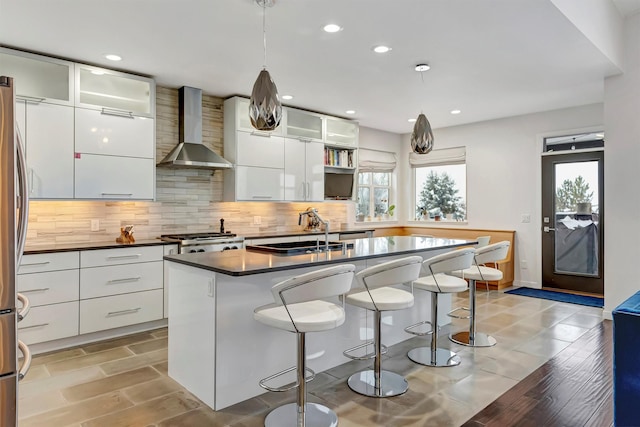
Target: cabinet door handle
[(127, 279), (35, 263), (124, 256), (121, 312), (308, 191), (30, 99), (40, 325), (35, 290), (118, 113), (27, 360), (261, 134), (117, 194), (262, 197)]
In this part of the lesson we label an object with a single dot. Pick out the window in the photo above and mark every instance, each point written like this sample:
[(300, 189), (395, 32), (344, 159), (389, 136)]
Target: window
[(440, 184), (375, 178)]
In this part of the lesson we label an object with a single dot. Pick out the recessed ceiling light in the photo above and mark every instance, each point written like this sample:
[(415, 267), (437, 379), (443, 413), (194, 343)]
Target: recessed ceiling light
[(350, 111), (456, 111), (287, 97), (422, 67), (411, 120), (332, 28), (112, 57), (381, 49)]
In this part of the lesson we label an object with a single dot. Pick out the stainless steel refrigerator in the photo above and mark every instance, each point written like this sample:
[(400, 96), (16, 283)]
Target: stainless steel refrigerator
[(14, 207)]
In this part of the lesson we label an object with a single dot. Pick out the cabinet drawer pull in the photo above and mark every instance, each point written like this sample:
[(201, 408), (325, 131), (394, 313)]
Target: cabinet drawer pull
[(262, 197), (109, 112), (262, 134), (30, 99), (117, 194), (35, 263), (127, 279), (35, 290), (124, 256), (33, 326), (121, 312)]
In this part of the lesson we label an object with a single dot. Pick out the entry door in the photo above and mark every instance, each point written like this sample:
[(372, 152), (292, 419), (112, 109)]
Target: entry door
[(572, 215)]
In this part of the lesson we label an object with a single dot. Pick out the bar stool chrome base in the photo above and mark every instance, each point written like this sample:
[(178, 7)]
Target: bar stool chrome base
[(391, 384), (443, 357), (480, 339), (315, 416)]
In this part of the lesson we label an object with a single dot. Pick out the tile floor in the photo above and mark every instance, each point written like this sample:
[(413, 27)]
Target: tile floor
[(124, 382)]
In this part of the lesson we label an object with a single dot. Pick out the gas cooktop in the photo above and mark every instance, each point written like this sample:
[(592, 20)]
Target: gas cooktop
[(197, 236)]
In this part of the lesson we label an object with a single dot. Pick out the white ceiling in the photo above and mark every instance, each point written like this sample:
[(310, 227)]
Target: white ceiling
[(489, 58)]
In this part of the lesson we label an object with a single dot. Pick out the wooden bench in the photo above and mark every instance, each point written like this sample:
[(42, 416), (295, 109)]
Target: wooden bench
[(506, 266)]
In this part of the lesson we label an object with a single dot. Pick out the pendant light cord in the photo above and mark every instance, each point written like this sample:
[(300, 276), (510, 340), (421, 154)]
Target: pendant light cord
[(264, 33)]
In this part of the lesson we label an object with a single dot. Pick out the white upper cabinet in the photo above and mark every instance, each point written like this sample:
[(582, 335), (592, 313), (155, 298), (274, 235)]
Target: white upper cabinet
[(114, 177), (240, 114), (114, 92), (304, 125), (99, 132), (303, 170), (38, 78), (261, 151), (341, 132)]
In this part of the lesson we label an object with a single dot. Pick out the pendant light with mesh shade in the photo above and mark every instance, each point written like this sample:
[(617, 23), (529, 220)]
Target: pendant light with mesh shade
[(265, 108), (422, 136)]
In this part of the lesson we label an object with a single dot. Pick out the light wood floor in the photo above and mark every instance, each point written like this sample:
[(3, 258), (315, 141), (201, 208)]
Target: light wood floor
[(124, 382)]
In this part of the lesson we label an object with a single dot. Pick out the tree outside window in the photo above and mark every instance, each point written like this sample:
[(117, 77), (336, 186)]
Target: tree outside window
[(440, 192), (570, 193)]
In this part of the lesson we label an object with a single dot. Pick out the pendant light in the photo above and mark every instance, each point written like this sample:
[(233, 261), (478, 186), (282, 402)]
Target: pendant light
[(422, 136), (265, 108)]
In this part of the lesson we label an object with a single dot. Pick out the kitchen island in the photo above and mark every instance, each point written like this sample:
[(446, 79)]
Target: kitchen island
[(219, 352)]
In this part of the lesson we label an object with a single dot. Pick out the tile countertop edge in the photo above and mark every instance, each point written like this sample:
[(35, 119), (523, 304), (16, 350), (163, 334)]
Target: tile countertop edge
[(209, 259), (89, 246)]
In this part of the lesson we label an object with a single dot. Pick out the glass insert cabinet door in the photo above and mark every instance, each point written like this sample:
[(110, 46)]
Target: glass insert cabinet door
[(572, 233)]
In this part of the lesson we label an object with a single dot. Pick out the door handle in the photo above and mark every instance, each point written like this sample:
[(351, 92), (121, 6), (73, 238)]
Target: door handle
[(24, 349), (26, 306), (546, 229)]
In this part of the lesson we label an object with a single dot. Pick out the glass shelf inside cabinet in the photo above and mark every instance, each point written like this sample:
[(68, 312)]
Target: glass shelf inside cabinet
[(101, 88)]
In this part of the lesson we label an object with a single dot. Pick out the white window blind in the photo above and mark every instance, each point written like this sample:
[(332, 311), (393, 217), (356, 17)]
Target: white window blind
[(444, 156), (376, 161)]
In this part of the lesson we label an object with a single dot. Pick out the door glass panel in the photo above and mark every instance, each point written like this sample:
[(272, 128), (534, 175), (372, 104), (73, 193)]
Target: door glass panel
[(101, 88), (37, 78), (577, 222), (363, 201)]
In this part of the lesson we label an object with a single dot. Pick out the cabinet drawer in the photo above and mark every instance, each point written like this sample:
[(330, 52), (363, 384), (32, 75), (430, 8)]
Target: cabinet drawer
[(114, 177), (259, 184), (261, 151), (49, 322), (104, 257), (106, 134), (50, 288), (37, 263), (120, 310), (120, 279)]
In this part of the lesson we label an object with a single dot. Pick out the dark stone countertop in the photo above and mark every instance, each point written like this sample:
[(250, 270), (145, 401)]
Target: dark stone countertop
[(246, 262), (89, 246), (305, 233)]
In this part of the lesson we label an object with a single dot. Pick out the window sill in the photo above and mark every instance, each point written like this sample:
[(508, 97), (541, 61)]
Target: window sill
[(375, 221)]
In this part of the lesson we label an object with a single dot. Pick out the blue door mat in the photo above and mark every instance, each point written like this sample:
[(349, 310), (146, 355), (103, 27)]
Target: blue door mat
[(558, 296)]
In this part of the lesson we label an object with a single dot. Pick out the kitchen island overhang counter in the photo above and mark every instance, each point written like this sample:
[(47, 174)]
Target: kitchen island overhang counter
[(219, 352)]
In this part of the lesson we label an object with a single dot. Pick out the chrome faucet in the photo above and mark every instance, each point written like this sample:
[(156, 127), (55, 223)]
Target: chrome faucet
[(313, 212)]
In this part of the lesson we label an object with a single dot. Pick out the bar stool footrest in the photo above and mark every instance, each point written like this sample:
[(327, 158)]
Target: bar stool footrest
[(409, 329), (289, 386), (365, 356), (455, 316)]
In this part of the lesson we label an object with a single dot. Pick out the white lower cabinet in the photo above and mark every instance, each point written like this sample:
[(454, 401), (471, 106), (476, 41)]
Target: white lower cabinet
[(49, 322), (50, 287), (113, 177), (98, 314), (120, 279)]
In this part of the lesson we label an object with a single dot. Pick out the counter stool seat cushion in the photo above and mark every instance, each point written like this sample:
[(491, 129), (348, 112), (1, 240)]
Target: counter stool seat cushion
[(485, 273), (441, 283), (386, 299), (310, 316)]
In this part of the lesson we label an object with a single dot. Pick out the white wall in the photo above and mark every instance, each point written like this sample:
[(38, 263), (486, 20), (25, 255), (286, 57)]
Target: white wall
[(503, 174), (622, 174)]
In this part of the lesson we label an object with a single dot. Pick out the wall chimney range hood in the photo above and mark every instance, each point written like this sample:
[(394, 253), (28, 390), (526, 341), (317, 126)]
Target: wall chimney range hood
[(191, 152)]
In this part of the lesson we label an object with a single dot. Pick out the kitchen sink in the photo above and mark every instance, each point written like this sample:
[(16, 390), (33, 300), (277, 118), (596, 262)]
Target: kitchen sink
[(294, 248)]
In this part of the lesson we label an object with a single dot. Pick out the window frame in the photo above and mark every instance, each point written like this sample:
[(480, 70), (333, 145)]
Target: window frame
[(372, 186)]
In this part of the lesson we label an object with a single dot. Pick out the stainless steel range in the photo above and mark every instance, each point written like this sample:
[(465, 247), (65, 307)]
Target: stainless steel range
[(204, 242)]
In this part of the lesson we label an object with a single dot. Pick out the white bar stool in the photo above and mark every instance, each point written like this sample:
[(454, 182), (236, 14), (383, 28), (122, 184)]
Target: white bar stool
[(490, 253), (300, 307), (438, 283), (379, 296)]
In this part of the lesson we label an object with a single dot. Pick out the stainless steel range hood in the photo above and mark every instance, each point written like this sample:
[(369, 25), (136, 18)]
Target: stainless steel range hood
[(191, 152)]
